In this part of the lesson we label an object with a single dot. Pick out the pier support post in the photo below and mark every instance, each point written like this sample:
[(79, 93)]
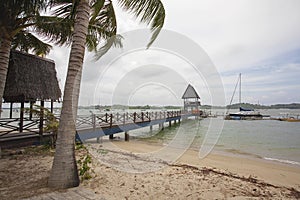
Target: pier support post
[(126, 136), (151, 128), (170, 123), (111, 137), (99, 139), (162, 126)]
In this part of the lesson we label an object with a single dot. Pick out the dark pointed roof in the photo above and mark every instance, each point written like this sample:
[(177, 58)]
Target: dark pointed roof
[(30, 78), (190, 92)]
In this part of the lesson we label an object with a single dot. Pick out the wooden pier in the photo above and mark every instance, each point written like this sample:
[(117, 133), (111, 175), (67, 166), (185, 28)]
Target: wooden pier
[(87, 127), (97, 126)]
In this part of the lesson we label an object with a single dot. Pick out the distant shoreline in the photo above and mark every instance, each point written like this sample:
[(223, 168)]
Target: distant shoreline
[(172, 107)]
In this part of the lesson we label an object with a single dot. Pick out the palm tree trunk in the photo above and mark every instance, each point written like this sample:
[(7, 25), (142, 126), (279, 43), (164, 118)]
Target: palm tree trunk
[(64, 172), (4, 61)]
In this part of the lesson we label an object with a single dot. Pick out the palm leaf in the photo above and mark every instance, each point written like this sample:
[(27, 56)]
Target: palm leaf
[(25, 41), (65, 8), (103, 26), (114, 41), (55, 29), (151, 12)]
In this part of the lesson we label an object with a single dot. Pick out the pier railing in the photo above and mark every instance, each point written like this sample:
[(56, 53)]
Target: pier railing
[(32, 125), (108, 120)]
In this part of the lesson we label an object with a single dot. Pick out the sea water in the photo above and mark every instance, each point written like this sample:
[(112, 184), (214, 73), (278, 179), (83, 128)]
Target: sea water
[(264, 139)]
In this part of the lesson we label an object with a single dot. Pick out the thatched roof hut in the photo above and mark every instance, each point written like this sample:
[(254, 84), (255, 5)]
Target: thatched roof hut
[(191, 99), (30, 78), (190, 92)]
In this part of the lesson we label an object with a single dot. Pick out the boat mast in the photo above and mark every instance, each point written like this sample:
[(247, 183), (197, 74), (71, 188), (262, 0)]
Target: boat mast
[(240, 92), (235, 87)]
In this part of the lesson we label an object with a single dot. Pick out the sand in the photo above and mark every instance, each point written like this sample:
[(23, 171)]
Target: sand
[(130, 170), (269, 171)]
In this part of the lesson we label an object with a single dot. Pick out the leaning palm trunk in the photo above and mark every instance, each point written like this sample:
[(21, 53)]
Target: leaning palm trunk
[(4, 60), (64, 172)]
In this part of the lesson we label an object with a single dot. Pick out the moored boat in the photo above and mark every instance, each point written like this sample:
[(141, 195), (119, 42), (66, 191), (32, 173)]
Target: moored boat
[(244, 113)]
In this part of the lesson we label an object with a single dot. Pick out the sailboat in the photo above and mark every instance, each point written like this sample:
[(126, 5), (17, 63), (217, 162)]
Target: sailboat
[(244, 113)]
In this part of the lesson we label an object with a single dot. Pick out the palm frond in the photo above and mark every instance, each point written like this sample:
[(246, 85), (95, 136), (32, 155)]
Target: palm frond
[(102, 26), (151, 12), (65, 8), (25, 41), (114, 41), (55, 29), (96, 8)]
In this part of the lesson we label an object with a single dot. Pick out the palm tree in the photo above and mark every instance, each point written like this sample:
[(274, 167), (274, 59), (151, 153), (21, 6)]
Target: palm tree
[(64, 172)]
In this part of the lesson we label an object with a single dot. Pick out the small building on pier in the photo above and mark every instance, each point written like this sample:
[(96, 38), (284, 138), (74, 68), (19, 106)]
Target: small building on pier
[(191, 100), (30, 79)]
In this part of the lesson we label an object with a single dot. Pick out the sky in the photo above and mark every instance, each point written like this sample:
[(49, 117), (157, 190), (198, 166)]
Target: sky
[(205, 43)]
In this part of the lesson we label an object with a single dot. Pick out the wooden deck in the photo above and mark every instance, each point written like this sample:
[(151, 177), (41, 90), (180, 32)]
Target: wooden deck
[(78, 193)]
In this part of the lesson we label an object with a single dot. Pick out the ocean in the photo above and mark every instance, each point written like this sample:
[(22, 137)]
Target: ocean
[(263, 139)]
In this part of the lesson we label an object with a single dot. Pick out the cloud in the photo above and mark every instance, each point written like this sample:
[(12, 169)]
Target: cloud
[(261, 39), (237, 34)]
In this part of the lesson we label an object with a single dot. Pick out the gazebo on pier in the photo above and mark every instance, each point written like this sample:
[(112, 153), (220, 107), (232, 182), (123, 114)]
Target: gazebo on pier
[(30, 79), (191, 100)]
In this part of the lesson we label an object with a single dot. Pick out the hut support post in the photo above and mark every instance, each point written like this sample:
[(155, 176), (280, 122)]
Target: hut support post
[(10, 110), (30, 111), (151, 128), (170, 123), (41, 118), (111, 136), (21, 117), (51, 108)]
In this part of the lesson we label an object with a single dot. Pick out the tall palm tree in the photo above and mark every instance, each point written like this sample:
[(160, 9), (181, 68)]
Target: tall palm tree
[(64, 172)]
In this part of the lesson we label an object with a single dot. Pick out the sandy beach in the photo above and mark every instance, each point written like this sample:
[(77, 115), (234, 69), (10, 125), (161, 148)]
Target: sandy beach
[(269, 171), (127, 170)]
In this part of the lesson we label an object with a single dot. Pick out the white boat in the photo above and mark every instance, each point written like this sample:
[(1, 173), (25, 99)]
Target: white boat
[(244, 113)]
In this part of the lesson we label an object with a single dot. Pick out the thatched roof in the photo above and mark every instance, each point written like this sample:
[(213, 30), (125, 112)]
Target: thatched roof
[(30, 78), (190, 92)]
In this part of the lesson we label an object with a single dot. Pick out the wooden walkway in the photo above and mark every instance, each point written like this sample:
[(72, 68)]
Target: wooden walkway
[(77, 193), (91, 126), (96, 126)]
